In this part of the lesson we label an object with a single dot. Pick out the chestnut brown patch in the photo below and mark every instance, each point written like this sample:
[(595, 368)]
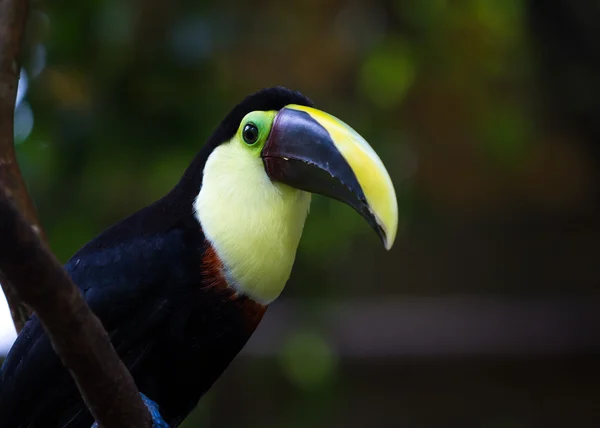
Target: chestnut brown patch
[(213, 278)]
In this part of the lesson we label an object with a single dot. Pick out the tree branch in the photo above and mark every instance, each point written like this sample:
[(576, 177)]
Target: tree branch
[(76, 333), (31, 275), (13, 17)]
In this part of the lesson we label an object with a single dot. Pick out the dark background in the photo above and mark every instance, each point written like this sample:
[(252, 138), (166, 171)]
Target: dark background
[(486, 113)]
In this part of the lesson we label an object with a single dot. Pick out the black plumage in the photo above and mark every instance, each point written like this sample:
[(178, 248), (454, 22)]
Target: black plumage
[(152, 281)]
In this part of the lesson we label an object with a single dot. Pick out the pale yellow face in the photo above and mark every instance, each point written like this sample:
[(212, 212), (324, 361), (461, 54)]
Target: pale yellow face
[(254, 224)]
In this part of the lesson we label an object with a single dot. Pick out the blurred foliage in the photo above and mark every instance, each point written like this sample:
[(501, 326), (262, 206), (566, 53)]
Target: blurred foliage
[(308, 360), (121, 95)]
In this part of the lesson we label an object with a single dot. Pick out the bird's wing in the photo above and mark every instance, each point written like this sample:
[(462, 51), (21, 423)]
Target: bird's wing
[(125, 287)]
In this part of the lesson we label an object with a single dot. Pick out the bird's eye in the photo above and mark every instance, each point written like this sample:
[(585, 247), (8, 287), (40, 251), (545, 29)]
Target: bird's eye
[(250, 133)]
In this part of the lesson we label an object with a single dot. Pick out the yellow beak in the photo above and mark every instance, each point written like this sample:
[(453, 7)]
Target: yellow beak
[(316, 152)]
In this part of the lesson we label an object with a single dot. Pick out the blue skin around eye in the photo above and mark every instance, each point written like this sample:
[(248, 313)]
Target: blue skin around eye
[(157, 420)]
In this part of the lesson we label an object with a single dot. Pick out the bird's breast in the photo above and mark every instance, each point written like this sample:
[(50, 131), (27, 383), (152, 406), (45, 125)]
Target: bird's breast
[(214, 281), (253, 224)]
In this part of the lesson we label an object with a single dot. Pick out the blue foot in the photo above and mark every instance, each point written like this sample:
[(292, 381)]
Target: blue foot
[(157, 420)]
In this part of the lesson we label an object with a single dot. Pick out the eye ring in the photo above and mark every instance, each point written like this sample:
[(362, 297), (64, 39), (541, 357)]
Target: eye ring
[(250, 133)]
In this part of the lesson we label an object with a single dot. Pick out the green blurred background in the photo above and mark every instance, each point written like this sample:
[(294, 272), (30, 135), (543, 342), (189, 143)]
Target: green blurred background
[(486, 313)]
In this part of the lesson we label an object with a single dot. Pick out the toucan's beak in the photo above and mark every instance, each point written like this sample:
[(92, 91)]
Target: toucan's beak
[(313, 151)]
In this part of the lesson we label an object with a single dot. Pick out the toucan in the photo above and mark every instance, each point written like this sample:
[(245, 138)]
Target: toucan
[(181, 285)]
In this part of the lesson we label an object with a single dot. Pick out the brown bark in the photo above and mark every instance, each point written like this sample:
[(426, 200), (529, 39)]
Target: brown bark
[(32, 277), (13, 16)]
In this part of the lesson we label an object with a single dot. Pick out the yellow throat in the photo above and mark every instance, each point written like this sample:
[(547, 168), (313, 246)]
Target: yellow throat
[(254, 224)]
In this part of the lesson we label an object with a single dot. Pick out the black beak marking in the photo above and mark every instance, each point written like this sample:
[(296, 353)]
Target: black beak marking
[(301, 153)]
